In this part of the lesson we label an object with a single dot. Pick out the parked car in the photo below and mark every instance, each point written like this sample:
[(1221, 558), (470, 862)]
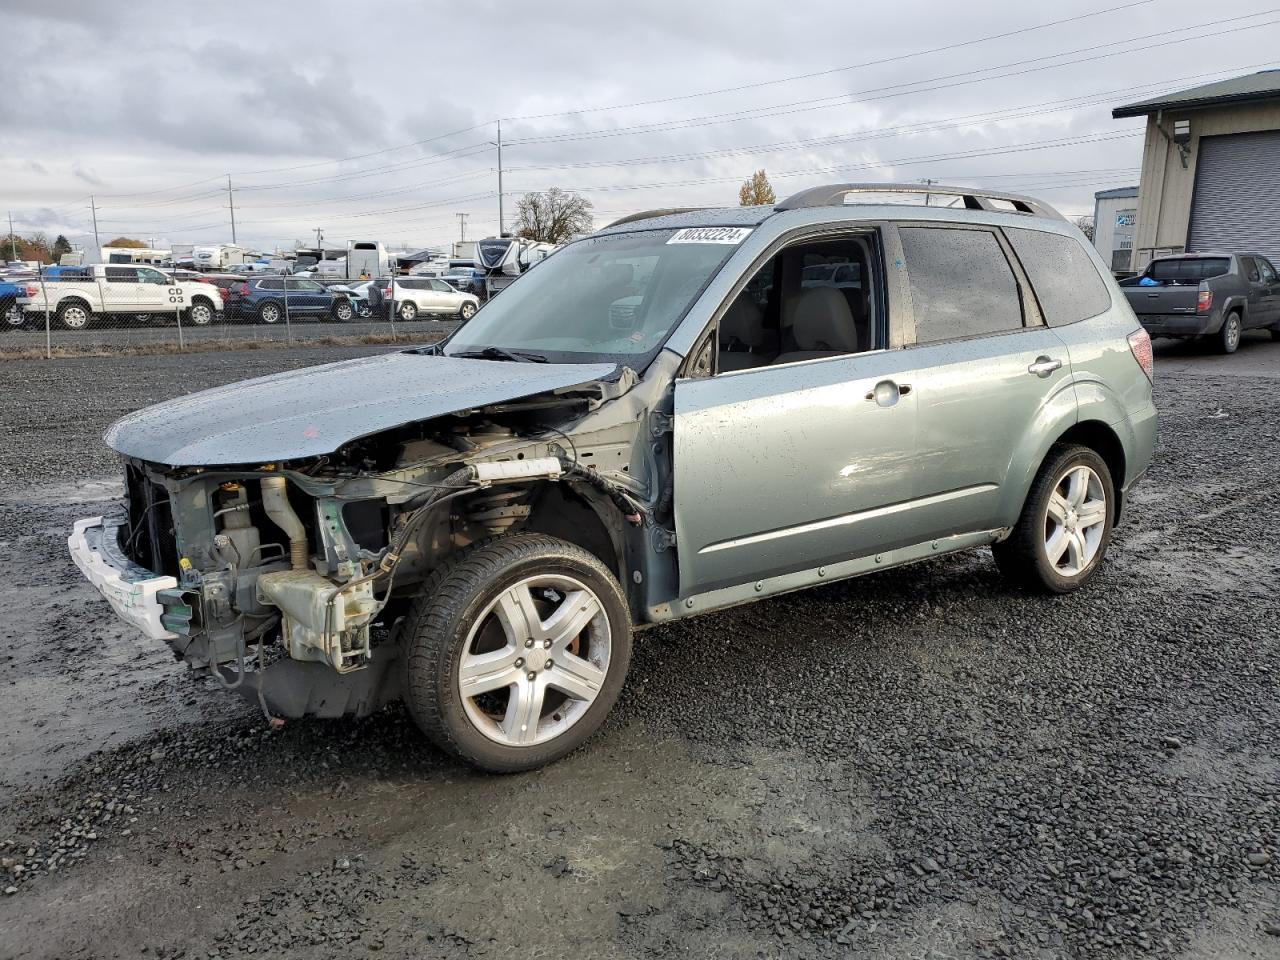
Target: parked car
[(512, 503), (264, 299), (122, 291), (11, 317), (1212, 295), (357, 294), (426, 296)]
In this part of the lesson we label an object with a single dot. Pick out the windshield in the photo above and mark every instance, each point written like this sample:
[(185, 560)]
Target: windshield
[(613, 297)]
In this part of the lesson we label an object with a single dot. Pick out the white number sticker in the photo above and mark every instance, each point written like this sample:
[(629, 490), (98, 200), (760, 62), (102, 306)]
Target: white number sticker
[(729, 235)]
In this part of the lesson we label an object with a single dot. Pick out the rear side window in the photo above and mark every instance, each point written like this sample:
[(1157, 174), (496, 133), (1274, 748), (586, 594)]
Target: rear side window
[(1189, 269), (961, 284), (270, 284), (1063, 275), (121, 274), (1250, 269)]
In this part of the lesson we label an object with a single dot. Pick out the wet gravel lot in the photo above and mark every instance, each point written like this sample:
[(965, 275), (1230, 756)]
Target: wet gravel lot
[(921, 763)]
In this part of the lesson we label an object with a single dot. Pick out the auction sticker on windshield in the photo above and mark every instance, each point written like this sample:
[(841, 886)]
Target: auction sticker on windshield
[(729, 235)]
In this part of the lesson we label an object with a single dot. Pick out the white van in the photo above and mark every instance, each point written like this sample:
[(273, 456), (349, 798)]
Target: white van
[(367, 257)]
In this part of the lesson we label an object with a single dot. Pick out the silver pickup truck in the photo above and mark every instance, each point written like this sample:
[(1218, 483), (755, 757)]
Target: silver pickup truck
[(1211, 295)]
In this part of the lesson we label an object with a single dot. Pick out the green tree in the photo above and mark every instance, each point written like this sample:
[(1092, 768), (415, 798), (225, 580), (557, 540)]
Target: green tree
[(756, 190), (556, 216), (60, 246)]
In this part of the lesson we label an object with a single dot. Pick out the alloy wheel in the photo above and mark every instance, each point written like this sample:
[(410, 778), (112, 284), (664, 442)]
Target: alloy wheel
[(535, 660), (1075, 520)]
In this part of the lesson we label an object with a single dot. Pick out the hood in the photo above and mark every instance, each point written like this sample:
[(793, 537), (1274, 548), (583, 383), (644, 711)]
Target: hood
[(316, 410)]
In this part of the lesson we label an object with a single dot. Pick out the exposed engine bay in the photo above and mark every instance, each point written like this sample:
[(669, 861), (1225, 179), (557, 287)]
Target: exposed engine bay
[(292, 576)]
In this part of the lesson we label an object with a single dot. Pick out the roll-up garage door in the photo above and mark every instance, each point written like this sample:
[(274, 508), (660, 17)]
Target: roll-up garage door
[(1236, 205)]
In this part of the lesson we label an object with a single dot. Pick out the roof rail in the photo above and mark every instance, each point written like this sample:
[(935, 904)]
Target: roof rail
[(974, 199), (651, 214)]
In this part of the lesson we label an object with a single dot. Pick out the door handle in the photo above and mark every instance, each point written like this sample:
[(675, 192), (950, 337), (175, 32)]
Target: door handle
[(1044, 366), (886, 393)]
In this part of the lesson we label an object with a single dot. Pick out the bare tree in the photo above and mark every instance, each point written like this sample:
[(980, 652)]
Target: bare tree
[(756, 190), (556, 216), (1086, 226)]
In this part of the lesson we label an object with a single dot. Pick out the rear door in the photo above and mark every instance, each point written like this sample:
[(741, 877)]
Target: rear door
[(985, 372)]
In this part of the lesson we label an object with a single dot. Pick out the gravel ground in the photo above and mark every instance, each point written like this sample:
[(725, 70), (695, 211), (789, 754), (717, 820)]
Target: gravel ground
[(921, 763)]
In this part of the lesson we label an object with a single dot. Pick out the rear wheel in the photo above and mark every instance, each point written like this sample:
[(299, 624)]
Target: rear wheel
[(200, 314), (516, 651), (1065, 526), (74, 315), (13, 318), (467, 311), (408, 310), (270, 312), (1228, 340)]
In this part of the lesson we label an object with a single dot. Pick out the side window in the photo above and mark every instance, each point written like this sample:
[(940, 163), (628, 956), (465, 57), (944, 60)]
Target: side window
[(1268, 271), (1250, 269), (121, 274), (961, 284), (152, 276), (440, 286), (270, 284), (811, 300), (1064, 277)]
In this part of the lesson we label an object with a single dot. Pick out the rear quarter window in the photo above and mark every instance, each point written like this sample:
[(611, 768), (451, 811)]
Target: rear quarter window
[(961, 284), (1065, 279)]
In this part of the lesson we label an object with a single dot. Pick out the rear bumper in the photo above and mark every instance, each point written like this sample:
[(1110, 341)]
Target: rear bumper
[(131, 590), (1180, 324)]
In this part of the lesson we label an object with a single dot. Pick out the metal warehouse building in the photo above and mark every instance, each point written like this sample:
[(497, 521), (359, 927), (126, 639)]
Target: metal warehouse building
[(1115, 216), (1210, 169)]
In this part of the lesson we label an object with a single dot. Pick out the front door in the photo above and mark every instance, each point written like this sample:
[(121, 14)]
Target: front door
[(1270, 294), (788, 467)]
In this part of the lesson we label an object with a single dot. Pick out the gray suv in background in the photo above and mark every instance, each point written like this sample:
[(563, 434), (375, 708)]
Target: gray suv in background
[(674, 415)]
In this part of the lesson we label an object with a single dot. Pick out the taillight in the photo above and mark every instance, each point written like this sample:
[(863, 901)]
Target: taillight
[(1140, 345), (32, 291), (1204, 301), (241, 289)]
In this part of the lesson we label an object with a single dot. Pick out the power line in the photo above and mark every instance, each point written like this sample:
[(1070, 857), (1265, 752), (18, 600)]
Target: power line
[(897, 90), (833, 70)]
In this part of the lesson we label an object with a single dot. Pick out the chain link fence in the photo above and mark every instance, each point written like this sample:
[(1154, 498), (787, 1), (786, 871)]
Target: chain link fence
[(135, 308)]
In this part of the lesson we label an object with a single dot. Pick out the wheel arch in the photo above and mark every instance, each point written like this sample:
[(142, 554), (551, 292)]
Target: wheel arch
[(584, 518)]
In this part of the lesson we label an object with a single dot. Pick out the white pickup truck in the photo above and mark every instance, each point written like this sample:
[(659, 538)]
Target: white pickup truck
[(122, 291)]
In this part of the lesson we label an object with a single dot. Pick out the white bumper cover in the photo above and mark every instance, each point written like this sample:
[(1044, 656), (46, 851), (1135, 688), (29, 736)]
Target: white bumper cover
[(129, 588)]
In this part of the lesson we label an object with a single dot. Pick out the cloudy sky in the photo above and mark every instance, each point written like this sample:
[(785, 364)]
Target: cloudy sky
[(376, 119)]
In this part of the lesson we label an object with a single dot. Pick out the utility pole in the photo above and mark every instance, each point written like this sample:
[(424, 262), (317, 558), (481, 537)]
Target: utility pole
[(319, 245), (501, 222), (928, 183), (13, 241), (462, 226), (96, 242), (231, 200)]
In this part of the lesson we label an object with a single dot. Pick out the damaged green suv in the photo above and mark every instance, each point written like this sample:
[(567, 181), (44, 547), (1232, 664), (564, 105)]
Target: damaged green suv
[(674, 415)]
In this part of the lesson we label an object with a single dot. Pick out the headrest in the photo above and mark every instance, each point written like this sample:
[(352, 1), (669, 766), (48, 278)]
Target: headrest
[(823, 321), (742, 324)]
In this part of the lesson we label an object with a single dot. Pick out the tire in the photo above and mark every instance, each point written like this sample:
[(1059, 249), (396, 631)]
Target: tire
[(408, 311), (12, 316), (200, 314), (466, 311), (343, 311), (74, 315), (1025, 557), (1228, 338), (365, 312), (455, 621), (270, 312)]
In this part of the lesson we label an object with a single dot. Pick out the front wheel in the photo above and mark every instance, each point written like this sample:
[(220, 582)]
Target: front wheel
[(1065, 526), (516, 651), (343, 311), (1229, 336), (408, 310), (467, 311)]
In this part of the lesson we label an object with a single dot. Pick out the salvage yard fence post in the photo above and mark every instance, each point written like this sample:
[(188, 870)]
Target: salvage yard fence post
[(177, 313), (391, 315), (288, 327), (48, 335)]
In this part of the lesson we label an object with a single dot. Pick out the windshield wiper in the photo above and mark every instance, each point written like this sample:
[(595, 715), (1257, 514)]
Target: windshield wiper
[(498, 353)]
